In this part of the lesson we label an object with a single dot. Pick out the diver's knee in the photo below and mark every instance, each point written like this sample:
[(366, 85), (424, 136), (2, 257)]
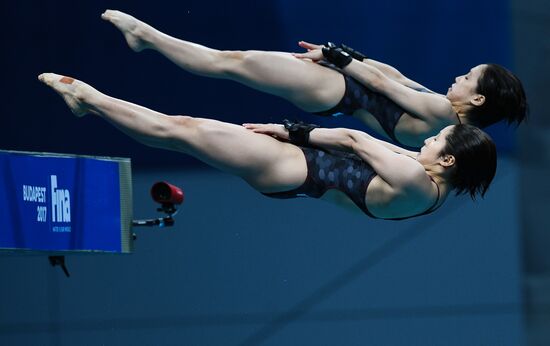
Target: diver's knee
[(197, 126), (180, 129), (231, 62), (181, 124), (184, 121), (233, 55)]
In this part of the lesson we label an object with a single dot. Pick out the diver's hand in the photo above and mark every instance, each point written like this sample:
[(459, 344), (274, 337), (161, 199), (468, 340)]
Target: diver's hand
[(310, 46), (274, 130), (315, 55)]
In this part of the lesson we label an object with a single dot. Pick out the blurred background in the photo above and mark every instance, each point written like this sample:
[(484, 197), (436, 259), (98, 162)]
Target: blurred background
[(241, 269)]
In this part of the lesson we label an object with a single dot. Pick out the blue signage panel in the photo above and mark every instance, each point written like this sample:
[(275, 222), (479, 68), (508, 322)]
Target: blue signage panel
[(59, 203)]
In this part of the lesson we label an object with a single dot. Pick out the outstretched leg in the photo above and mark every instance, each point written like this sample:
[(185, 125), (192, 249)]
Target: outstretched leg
[(264, 162), (308, 85)]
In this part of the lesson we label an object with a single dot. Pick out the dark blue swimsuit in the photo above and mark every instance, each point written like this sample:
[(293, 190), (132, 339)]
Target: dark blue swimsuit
[(357, 96), (338, 170)]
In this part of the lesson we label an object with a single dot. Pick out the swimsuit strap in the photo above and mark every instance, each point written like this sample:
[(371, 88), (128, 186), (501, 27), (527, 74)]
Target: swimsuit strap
[(434, 206), (430, 209), (458, 117)]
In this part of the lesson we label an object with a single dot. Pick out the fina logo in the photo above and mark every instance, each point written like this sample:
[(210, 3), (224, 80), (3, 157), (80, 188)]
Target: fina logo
[(61, 202)]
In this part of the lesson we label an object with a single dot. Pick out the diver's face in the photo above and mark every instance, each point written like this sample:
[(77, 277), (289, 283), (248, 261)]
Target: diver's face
[(465, 86), (430, 153)]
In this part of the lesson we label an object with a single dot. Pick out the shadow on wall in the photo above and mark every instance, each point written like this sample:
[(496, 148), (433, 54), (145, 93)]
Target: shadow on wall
[(242, 269)]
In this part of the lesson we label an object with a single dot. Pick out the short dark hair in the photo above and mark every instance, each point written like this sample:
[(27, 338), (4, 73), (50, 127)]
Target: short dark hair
[(504, 98), (475, 156)]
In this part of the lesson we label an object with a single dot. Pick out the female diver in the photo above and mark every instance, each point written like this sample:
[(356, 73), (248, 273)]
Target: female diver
[(377, 94), (345, 166)]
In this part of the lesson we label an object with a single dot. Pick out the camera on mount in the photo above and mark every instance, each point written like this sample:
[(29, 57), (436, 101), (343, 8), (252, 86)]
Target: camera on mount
[(169, 196)]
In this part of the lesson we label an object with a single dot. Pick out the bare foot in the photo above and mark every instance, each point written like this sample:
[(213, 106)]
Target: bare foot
[(73, 91), (132, 28)]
